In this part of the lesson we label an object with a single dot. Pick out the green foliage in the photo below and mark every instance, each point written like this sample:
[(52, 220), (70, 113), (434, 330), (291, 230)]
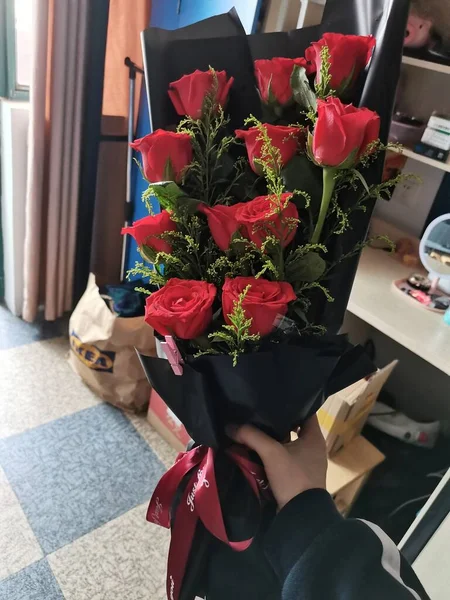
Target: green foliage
[(143, 290), (207, 177), (270, 161), (146, 199), (323, 81), (167, 194), (216, 177), (307, 267), (236, 337), (302, 92), (384, 190), (154, 275), (302, 288)]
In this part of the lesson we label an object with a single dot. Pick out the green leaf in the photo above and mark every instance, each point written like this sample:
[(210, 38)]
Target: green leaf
[(362, 180), (302, 92), (167, 194), (147, 254), (307, 268), (186, 204)]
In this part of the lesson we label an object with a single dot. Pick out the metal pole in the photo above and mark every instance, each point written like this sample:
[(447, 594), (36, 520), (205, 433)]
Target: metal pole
[(133, 68)]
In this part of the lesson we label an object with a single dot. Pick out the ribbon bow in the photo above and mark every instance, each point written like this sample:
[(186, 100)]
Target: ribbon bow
[(200, 501)]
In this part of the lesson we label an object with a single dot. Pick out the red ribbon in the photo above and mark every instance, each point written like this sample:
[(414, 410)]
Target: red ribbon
[(201, 501)]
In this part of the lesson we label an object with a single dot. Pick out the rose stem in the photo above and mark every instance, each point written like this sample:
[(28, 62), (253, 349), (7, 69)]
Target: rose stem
[(328, 189)]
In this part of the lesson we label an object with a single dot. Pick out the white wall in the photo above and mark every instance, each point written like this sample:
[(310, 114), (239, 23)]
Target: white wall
[(13, 139)]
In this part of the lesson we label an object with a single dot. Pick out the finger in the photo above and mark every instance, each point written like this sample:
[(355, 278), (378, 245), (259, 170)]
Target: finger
[(256, 440)]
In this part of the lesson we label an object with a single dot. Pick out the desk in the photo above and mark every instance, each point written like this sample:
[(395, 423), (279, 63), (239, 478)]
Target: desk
[(374, 301)]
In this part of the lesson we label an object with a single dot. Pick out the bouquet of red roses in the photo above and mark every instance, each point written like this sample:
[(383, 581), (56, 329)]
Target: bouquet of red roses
[(243, 251)]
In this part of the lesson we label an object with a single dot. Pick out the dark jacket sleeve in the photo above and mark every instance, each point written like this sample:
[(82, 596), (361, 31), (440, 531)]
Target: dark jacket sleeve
[(319, 555)]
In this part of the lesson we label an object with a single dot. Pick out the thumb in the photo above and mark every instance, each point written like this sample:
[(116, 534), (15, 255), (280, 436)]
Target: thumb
[(262, 444)]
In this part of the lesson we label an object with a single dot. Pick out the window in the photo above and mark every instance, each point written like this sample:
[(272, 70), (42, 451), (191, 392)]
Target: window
[(15, 53)]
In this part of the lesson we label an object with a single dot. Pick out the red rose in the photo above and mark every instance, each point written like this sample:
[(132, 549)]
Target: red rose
[(181, 308), (342, 133), (262, 217), (274, 78), (349, 55), (264, 302), (164, 155), (188, 93), (286, 139), (146, 231), (222, 223)]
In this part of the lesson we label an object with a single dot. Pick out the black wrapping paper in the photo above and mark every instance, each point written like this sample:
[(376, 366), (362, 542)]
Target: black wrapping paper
[(276, 389), (386, 20), (281, 387), (219, 42)]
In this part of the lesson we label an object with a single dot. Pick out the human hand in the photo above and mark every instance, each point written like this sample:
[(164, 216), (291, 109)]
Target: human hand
[(291, 468)]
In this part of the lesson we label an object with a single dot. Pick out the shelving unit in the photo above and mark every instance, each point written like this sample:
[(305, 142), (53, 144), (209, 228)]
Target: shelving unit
[(426, 64), (375, 302), (424, 159), (417, 98)]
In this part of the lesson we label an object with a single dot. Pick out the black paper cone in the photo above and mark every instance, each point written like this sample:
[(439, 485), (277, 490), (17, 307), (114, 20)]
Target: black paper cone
[(281, 386)]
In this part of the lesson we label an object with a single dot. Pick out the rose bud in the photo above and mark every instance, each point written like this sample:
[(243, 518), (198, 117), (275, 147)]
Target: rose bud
[(165, 155), (342, 133), (286, 139), (188, 93), (147, 231), (274, 78), (349, 56)]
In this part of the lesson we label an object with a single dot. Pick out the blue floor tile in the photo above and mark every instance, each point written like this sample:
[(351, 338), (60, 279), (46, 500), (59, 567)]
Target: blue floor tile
[(16, 332), (76, 473), (36, 582)]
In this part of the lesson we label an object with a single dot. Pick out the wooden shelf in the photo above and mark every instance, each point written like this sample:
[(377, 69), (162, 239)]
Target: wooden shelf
[(426, 64), (444, 166), (374, 300)]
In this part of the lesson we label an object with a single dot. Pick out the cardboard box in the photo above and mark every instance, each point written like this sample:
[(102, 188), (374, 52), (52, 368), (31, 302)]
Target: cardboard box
[(344, 414), (166, 423)]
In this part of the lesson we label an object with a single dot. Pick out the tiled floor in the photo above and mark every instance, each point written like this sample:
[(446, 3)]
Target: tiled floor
[(75, 479)]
